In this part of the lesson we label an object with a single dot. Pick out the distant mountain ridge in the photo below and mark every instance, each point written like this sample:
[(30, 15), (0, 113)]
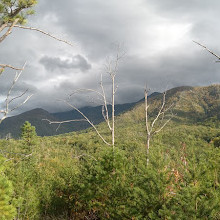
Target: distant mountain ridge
[(196, 105), (191, 105), (43, 128)]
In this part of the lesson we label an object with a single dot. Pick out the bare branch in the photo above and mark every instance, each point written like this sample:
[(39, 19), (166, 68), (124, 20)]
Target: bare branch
[(87, 121), (105, 116), (61, 122), (97, 100), (8, 101), (3, 66), (105, 109), (19, 96), (9, 30), (3, 26), (103, 99), (214, 54), (157, 131), (22, 103), (5, 153), (86, 90), (146, 91), (45, 33), (158, 123), (160, 111)]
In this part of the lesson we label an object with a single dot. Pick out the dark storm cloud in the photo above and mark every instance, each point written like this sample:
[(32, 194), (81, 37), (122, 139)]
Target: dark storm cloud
[(157, 36), (97, 24), (75, 62), (169, 68)]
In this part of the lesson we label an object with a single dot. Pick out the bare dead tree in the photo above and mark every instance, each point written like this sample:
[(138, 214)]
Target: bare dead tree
[(9, 101), (112, 70), (162, 118)]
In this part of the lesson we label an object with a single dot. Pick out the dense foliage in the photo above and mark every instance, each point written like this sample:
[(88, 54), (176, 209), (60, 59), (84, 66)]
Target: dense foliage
[(28, 134), (216, 142), (76, 176), (7, 210), (15, 9)]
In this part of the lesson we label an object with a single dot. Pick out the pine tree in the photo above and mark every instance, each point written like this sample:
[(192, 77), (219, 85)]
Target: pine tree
[(10, 10), (28, 134), (7, 211)]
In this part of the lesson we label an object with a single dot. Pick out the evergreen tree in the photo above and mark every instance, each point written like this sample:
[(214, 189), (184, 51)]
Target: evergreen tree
[(7, 211), (11, 10), (28, 134)]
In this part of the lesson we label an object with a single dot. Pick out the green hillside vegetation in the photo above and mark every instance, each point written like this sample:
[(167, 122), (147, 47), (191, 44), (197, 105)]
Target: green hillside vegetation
[(7, 210), (77, 176)]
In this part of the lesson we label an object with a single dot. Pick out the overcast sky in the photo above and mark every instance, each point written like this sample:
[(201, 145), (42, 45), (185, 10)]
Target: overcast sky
[(156, 35)]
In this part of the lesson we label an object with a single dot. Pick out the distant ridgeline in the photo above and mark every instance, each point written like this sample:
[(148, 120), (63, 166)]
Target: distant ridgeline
[(199, 105), (11, 126)]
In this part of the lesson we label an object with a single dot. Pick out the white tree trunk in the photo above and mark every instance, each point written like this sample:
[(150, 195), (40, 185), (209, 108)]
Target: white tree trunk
[(113, 113)]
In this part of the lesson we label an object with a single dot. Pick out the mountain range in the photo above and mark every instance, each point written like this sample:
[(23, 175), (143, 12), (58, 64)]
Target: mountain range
[(11, 125), (193, 104)]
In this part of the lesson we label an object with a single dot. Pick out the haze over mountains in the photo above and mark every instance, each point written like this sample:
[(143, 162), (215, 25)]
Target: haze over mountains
[(195, 105)]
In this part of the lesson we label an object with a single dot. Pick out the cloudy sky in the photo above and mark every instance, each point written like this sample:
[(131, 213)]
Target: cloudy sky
[(156, 36)]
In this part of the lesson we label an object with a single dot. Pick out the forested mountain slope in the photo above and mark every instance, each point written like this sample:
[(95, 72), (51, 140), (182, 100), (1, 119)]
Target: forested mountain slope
[(190, 105), (78, 176)]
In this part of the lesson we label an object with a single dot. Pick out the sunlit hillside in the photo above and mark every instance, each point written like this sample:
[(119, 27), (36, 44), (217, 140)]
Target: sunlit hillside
[(77, 176)]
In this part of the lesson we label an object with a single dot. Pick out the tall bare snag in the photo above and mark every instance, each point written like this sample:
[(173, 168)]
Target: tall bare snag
[(162, 118)]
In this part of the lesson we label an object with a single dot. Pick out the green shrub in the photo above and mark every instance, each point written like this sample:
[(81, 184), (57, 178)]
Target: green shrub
[(28, 134), (7, 210), (216, 142)]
